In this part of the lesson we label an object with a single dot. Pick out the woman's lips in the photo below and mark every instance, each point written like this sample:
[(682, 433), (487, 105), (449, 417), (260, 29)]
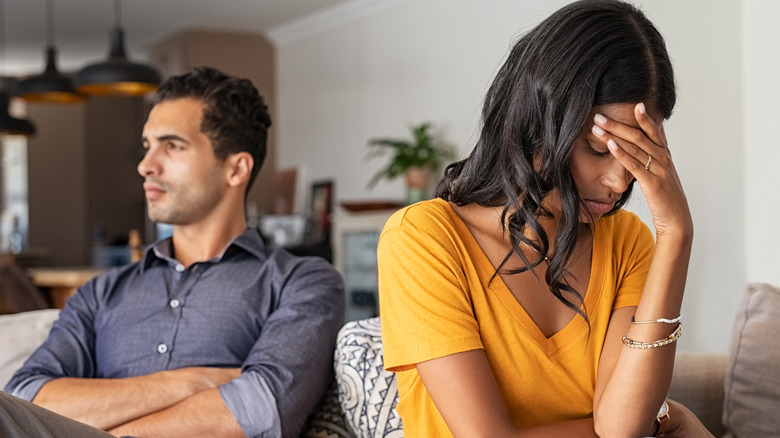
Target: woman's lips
[(598, 207)]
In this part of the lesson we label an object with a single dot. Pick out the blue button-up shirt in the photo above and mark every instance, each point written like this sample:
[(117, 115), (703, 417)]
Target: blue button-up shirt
[(260, 308)]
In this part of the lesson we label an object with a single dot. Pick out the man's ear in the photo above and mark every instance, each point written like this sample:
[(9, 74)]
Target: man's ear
[(239, 168)]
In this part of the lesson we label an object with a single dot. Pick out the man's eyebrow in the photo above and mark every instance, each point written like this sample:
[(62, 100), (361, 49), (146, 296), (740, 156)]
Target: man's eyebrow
[(167, 137)]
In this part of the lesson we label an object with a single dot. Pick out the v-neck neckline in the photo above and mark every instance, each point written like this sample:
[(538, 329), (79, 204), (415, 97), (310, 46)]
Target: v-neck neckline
[(515, 310)]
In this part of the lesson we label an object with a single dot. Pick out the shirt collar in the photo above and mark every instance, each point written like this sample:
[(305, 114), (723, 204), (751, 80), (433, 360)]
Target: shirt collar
[(248, 241)]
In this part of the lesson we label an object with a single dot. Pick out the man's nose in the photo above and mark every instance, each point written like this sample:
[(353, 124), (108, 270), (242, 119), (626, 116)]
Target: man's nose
[(148, 164)]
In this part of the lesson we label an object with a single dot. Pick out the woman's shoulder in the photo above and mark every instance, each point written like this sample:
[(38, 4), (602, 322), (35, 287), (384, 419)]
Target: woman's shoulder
[(433, 212)]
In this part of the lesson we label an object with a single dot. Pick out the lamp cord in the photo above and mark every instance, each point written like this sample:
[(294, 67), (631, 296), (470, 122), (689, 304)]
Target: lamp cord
[(50, 23), (117, 14), (2, 43)]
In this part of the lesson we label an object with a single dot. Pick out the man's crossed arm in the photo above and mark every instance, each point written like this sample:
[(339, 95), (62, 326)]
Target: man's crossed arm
[(150, 405)]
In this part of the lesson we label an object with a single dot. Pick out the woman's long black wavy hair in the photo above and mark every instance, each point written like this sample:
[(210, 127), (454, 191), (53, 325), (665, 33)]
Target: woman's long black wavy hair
[(588, 53)]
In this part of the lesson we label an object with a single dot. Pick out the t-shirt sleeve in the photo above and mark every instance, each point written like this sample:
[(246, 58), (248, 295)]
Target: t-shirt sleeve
[(425, 304), (633, 249)]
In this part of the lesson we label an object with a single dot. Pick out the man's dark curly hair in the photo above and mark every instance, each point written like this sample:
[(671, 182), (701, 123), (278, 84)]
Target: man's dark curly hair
[(235, 117)]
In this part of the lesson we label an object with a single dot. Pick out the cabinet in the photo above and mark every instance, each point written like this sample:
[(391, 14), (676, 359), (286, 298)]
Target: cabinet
[(354, 238), (82, 178), (244, 55)]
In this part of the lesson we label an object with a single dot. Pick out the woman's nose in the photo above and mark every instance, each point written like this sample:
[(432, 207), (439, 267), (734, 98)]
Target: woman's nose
[(617, 178)]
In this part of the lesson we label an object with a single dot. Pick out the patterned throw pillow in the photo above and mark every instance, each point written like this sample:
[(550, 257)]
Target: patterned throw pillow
[(367, 393), (328, 420)]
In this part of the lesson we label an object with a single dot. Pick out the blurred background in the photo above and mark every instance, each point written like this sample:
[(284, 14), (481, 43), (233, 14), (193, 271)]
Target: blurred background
[(337, 73)]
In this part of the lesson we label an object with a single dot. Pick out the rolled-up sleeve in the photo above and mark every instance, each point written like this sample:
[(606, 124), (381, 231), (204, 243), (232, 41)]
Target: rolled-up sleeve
[(289, 367)]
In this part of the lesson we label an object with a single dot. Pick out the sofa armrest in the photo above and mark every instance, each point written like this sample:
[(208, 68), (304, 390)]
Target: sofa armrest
[(697, 383)]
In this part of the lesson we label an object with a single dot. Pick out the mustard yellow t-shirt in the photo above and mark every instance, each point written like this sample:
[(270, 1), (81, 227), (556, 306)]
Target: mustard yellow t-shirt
[(436, 299)]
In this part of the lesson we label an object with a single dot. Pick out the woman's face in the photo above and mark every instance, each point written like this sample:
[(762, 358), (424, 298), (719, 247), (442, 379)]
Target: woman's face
[(599, 177)]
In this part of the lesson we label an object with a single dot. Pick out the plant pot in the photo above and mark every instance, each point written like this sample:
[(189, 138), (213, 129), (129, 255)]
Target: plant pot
[(418, 180)]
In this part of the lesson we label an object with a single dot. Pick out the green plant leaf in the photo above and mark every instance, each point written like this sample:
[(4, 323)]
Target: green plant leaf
[(423, 150)]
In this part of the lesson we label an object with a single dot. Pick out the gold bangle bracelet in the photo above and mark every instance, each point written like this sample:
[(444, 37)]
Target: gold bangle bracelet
[(630, 343)]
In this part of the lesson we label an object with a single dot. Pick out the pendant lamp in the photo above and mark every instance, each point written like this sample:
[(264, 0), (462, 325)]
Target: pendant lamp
[(9, 124), (117, 75), (49, 86)]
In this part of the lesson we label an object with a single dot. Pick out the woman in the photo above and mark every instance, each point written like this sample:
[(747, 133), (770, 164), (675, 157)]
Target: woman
[(524, 301)]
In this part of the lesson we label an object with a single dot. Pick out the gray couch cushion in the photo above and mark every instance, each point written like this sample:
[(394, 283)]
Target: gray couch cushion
[(751, 408), (697, 383), (20, 335)]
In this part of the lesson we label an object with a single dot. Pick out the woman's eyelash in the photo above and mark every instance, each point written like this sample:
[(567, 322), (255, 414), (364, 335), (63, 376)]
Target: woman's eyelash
[(595, 152)]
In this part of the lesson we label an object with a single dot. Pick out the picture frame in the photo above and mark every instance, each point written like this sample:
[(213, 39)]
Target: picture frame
[(319, 211)]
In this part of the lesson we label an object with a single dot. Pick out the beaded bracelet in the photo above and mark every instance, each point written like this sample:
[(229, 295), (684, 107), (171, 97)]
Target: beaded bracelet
[(664, 320), (660, 343)]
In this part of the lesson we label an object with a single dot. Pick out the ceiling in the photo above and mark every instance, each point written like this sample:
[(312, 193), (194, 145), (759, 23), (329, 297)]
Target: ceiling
[(81, 27)]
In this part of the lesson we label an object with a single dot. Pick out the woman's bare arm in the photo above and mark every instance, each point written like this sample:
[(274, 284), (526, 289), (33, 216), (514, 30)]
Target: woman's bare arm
[(632, 383), (465, 392)]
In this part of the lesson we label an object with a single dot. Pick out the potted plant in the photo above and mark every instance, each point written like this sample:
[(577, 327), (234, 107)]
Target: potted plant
[(415, 159)]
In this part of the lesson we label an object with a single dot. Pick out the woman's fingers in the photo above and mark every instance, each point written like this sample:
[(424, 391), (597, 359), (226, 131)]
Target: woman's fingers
[(652, 130), (642, 150), (647, 139), (631, 156), (645, 144), (628, 159)]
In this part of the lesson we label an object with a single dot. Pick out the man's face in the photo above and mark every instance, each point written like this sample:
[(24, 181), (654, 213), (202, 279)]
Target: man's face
[(183, 180)]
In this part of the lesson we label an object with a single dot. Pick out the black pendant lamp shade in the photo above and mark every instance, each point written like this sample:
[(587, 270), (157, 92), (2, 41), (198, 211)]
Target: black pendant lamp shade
[(8, 124), (49, 86), (117, 75), (12, 125)]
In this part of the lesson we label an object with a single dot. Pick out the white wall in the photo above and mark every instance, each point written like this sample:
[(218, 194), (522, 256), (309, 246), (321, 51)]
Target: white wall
[(761, 67), (376, 73)]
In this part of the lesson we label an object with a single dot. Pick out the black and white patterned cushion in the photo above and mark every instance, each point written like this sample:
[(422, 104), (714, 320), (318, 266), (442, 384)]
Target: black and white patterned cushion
[(367, 393), (328, 420)]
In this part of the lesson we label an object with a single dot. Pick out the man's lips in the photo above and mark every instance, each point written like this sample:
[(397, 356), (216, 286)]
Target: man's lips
[(153, 191)]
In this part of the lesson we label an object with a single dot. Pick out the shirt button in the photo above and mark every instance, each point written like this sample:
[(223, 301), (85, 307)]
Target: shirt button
[(162, 348), (174, 303), (180, 268)]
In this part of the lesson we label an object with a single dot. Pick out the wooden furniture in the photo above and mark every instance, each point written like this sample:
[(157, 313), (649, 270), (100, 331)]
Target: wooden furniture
[(62, 283)]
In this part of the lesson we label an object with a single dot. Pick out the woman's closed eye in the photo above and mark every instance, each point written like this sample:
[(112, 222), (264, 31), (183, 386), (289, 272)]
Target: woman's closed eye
[(595, 151)]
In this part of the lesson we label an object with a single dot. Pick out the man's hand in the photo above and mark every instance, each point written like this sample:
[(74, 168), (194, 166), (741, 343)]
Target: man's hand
[(202, 378), (202, 415), (107, 403)]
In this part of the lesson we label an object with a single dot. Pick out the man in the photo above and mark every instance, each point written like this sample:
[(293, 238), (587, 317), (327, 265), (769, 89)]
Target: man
[(212, 333)]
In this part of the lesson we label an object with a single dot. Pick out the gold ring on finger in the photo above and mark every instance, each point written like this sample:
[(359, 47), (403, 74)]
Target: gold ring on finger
[(649, 160)]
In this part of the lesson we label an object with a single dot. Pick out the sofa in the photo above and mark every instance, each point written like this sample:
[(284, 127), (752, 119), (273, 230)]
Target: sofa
[(736, 395)]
